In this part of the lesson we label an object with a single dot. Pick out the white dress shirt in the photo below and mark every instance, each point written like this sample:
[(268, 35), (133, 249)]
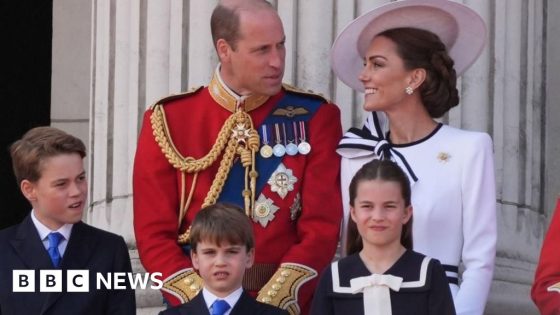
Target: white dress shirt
[(44, 231), (231, 299)]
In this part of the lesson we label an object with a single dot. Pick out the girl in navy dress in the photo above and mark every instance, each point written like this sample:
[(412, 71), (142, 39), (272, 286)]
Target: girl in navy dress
[(381, 274)]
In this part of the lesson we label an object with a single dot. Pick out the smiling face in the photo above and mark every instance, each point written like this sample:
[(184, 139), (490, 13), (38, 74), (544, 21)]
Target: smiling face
[(221, 266), (384, 76), (379, 212), (256, 64), (59, 195)]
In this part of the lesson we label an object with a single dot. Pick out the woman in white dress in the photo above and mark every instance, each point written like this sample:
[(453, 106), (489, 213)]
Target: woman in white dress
[(405, 56)]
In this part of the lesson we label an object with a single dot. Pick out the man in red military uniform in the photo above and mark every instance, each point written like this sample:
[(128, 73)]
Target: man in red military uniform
[(249, 140), (546, 288)]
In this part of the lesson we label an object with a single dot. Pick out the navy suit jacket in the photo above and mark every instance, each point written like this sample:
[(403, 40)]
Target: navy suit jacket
[(246, 305), (88, 248)]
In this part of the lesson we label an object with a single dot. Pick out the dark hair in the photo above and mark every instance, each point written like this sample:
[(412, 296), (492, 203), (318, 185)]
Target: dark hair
[(37, 145), (225, 22), (385, 170), (424, 49), (222, 222)]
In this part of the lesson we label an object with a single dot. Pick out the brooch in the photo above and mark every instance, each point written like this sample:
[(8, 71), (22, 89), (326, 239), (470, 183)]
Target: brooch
[(443, 157)]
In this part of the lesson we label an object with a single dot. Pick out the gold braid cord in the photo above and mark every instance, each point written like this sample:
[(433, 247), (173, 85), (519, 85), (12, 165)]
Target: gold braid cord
[(237, 137), (282, 289)]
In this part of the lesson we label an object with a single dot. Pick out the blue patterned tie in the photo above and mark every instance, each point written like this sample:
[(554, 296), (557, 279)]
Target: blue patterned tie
[(220, 307), (54, 240)]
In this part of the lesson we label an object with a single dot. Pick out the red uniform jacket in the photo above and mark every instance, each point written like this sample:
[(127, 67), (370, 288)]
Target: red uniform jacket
[(304, 231), (546, 288)]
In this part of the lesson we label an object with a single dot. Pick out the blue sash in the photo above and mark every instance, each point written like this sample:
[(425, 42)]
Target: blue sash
[(235, 182)]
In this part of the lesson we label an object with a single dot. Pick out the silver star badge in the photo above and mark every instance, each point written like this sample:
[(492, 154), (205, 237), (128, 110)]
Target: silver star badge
[(282, 181), (264, 210)]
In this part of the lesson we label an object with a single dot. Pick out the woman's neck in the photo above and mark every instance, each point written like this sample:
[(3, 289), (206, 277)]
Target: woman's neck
[(379, 259), (410, 124)]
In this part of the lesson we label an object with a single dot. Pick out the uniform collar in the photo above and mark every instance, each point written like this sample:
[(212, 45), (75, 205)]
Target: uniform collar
[(228, 99)]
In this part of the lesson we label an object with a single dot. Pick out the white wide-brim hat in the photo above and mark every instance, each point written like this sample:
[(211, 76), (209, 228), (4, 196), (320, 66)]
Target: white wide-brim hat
[(460, 29)]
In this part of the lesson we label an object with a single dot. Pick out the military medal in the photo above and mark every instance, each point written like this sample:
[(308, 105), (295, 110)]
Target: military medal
[(303, 147), (278, 150), (282, 181), (266, 150), (291, 147)]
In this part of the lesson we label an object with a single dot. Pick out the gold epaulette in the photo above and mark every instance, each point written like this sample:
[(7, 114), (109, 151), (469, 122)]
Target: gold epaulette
[(282, 289), (172, 97), (296, 90), (184, 284)]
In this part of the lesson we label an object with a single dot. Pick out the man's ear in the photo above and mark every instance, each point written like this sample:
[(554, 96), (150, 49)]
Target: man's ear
[(28, 190), (223, 49)]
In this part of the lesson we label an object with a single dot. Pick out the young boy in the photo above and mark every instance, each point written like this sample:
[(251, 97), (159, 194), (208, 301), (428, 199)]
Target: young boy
[(222, 247), (48, 165)]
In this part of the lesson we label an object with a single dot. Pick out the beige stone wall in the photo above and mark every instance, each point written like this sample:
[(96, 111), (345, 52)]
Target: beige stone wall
[(112, 58)]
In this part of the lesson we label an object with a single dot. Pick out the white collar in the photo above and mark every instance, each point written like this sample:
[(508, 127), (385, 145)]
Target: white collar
[(65, 230), (231, 299)]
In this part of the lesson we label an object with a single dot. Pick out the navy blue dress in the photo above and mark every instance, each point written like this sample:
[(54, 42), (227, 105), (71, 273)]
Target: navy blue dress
[(424, 290)]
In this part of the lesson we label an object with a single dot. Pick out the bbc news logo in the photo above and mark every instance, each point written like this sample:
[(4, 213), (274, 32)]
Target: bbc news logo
[(79, 281)]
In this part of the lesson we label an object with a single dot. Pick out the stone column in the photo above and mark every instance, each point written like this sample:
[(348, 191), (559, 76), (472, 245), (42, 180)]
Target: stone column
[(517, 78), (144, 50)]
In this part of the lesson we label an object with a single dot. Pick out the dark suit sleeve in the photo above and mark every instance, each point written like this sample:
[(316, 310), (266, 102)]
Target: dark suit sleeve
[(277, 311), (440, 299), (322, 304), (121, 302), (170, 311)]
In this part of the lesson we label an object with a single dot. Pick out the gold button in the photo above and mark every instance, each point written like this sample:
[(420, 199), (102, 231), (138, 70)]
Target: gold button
[(285, 273), (189, 281), (281, 279), (272, 293), (276, 286), (194, 287), (266, 299)]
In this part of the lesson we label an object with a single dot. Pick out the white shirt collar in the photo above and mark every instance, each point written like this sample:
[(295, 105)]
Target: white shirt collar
[(231, 299), (65, 230)]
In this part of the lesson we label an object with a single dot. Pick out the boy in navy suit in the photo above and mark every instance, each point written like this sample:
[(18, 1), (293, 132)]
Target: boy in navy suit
[(222, 248), (48, 164)]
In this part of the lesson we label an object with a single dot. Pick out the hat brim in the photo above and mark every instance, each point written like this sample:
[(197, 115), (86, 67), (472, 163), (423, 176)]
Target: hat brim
[(460, 28)]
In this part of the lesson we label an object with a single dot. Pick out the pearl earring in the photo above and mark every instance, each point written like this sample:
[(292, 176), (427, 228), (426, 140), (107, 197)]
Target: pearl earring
[(408, 90)]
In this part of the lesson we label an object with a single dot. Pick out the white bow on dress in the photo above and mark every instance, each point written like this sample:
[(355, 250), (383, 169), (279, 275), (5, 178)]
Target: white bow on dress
[(377, 298)]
